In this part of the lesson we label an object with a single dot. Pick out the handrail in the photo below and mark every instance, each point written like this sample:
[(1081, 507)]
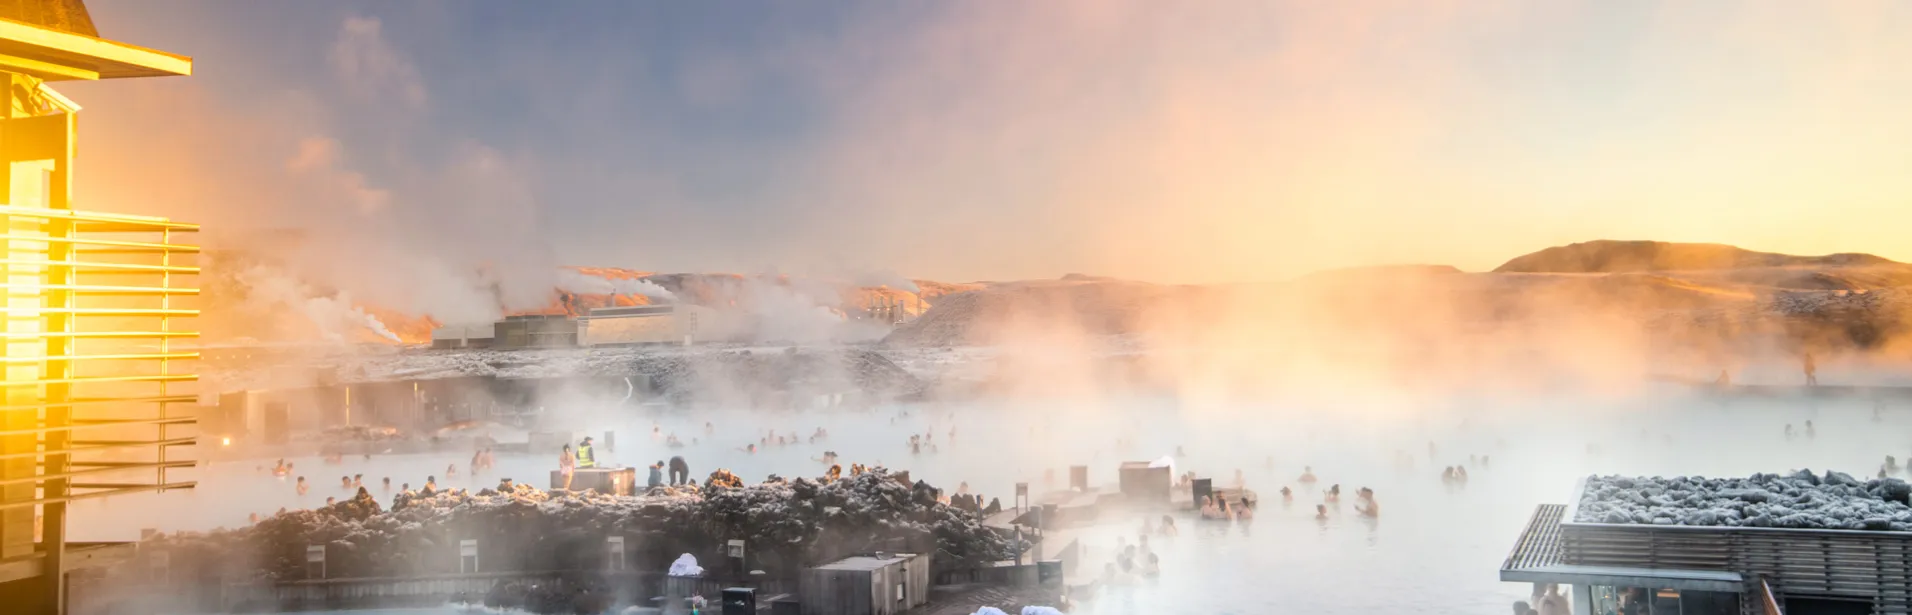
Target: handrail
[(128, 267), (145, 247), (104, 289), (149, 222)]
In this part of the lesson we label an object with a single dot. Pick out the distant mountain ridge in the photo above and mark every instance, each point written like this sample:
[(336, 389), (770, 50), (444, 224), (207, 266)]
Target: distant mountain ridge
[(1703, 294), (1610, 256)]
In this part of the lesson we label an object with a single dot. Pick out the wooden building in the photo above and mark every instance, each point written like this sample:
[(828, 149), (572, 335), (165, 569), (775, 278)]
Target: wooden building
[(98, 306), (1713, 570), (878, 584)]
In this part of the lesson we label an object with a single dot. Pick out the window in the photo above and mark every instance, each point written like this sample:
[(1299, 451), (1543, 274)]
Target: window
[(1606, 600), (468, 555), (614, 553), (1609, 600), (1825, 605), (315, 561), (899, 593)]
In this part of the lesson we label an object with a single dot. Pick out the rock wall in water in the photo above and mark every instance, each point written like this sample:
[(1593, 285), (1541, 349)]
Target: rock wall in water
[(787, 525)]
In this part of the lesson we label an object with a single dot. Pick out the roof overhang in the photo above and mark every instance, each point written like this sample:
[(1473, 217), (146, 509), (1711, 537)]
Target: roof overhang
[(1685, 580), (1536, 559), (54, 55)]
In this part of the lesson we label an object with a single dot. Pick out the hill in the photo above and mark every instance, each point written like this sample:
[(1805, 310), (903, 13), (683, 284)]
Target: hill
[(1609, 256), (1662, 294)]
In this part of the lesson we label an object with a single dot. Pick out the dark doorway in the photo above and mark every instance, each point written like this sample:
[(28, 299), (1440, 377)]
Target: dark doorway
[(1813, 605)]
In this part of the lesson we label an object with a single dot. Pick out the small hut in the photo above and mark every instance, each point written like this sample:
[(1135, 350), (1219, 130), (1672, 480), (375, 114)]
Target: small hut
[(878, 584)]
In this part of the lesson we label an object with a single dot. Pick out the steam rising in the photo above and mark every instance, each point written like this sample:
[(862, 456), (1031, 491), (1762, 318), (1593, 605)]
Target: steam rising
[(334, 315), (572, 280)]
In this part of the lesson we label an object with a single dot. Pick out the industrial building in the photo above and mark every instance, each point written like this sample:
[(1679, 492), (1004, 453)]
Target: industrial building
[(535, 331), (649, 324), (96, 307), (465, 336), (610, 326)]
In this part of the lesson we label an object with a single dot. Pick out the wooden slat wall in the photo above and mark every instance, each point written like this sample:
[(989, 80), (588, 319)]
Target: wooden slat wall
[(835, 592), (1876, 566)]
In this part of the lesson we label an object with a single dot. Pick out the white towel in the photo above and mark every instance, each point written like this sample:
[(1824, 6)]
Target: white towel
[(686, 566)]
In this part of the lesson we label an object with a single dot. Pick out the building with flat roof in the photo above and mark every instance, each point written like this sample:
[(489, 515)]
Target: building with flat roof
[(465, 336), (1765, 545), (675, 323), (875, 584), (535, 331)]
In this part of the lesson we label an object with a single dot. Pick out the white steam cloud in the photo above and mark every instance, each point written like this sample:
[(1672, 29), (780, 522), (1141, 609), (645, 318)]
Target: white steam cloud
[(335, 317), (574, 281)]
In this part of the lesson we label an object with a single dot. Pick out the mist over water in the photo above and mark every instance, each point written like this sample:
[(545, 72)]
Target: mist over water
[(1435, 548)]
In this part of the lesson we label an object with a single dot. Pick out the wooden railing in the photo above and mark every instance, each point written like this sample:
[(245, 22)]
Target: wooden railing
[(1873, 566)]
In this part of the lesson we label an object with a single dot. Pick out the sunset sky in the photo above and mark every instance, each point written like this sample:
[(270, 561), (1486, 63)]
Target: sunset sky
[(1176, 142)]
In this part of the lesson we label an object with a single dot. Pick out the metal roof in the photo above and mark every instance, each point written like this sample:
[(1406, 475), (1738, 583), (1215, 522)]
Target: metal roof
[(1537, 558), (865, 562), (55, 40), (63, 15), (1539, 545), (640, 310)]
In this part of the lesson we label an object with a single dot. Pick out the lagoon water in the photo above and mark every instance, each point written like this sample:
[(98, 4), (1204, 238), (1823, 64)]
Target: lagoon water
[(1434, 549)]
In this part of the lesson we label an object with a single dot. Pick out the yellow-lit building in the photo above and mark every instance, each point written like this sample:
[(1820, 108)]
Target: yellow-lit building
[(97, 307), (675, 323)]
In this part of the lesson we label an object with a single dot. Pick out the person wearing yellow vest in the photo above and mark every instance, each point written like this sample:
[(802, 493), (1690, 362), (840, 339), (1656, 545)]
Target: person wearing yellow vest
[(585, 459)]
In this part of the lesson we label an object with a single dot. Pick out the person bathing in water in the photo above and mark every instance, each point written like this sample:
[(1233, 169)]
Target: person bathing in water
[(1364, 503), (1307, 475)]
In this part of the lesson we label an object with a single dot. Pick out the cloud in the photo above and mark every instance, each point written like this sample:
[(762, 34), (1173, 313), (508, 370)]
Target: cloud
[(455, 231), (1214, 141), (318, 157), (370, 67)]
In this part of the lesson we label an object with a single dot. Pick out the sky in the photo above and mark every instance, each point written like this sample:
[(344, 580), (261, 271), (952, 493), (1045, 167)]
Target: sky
[(1214, 141)]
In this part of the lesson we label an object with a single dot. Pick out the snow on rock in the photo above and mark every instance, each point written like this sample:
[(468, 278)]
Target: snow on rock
[(1801, 500), (786, 523)]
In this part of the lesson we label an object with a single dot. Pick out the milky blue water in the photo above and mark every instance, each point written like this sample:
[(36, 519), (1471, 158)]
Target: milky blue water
[(1434, 549)]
